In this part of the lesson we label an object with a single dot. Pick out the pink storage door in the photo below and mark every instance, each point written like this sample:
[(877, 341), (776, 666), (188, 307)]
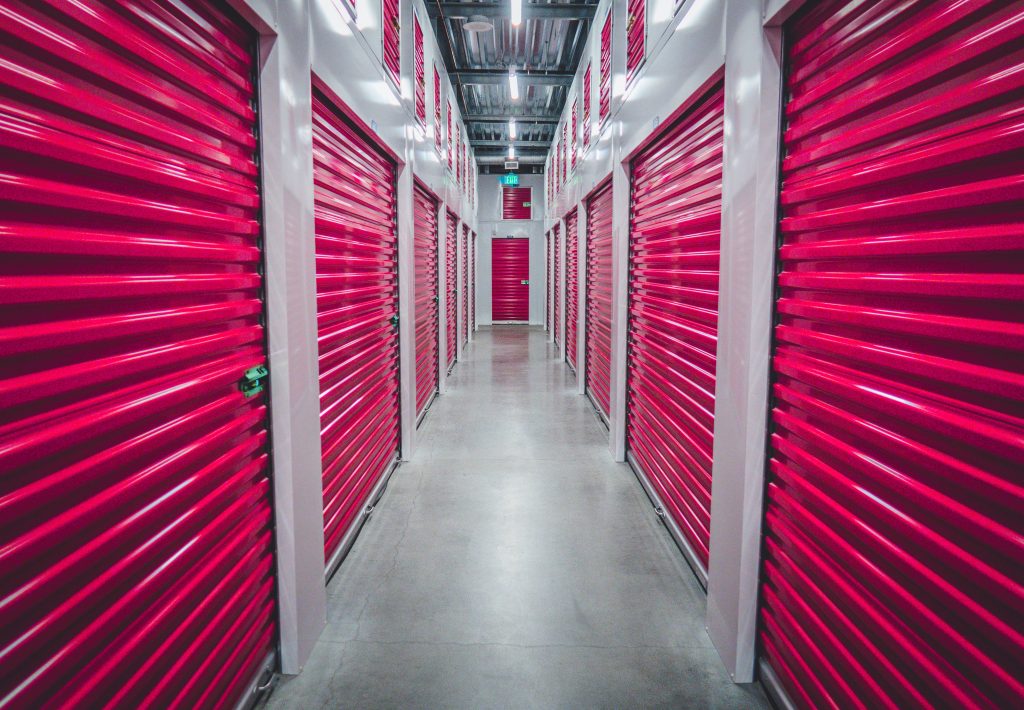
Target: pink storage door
[(893, 531), (428, 346), (557, 280), (599, 298), (392, 34), (472, 283), (510, 280), (465, 284), (516, 202), (604, 76), (451, 274), (550, 285), (636, 37), (357, 318), (571, 287), (136, 553), (420, 72), (675, 223)]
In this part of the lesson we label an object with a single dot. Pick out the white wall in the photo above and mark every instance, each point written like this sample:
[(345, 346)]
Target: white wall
[(491, 226)]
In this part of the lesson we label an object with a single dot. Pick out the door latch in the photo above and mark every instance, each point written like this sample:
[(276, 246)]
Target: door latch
[(253, 380)]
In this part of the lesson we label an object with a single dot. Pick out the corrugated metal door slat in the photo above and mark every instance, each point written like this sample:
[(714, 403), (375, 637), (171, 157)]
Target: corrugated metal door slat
[(136, 553), (599, 298), (557, 331), (357, 298), (571, 286), (427, 317), (675, 222), (451, 275), (510, 275), (893, 532)]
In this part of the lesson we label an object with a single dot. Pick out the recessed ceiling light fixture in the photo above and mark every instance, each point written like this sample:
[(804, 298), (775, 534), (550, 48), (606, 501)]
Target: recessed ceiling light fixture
[(511, 151), (512, 128), (478, 23), (513, 83), (517, 12)]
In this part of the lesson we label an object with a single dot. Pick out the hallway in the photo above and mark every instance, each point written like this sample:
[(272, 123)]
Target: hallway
[(511, 563)]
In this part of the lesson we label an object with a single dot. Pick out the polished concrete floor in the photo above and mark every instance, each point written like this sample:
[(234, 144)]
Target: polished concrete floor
[(512, 564)]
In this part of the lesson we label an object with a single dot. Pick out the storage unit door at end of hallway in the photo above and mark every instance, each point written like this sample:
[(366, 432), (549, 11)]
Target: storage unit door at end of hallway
[(894, 534), (451, 276), (357, 313), (571, 286), (425, 240), (136, 552), (510, 279), (599, 297), (675, 221)]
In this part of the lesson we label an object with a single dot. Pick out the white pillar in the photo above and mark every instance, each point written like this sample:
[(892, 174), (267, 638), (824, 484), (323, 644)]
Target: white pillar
[(287, 172), (752, 99)]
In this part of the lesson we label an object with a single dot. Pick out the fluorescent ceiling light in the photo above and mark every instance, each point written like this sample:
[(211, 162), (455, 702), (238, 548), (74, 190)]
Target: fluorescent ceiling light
[(513, 84), (511, 151), (517, 12), (512, 128)]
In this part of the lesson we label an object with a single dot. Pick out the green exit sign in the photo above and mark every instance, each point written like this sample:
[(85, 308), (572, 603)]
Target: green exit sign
[(511, 180)]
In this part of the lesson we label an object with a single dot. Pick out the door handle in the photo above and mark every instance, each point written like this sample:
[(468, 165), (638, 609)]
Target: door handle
[(525, 282)]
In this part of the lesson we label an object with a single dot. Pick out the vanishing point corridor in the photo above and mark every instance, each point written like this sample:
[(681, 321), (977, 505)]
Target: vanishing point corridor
[(512, 564)]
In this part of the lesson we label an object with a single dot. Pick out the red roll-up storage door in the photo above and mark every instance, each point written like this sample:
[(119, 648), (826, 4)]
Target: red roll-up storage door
[(357, 300), (557, 331), (391, 37), (465, 284), (547, 290), (893, 531), (427, 324), (599, 298), (516, 202), (604, 73), (510, 280), (675, 223), (451, 276), (472, 285), (136, 553), (571, 287)]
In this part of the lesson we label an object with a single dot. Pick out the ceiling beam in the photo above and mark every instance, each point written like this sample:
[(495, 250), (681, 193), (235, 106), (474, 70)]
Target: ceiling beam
[(561, 11), (499, 160), (504, 144), (498, 118), (500, 76)]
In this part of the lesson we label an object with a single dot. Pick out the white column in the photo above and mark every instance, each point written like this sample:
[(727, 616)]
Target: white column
[(406, 307), (752, 100), (287, 172), (443, 294), (620, 305)]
